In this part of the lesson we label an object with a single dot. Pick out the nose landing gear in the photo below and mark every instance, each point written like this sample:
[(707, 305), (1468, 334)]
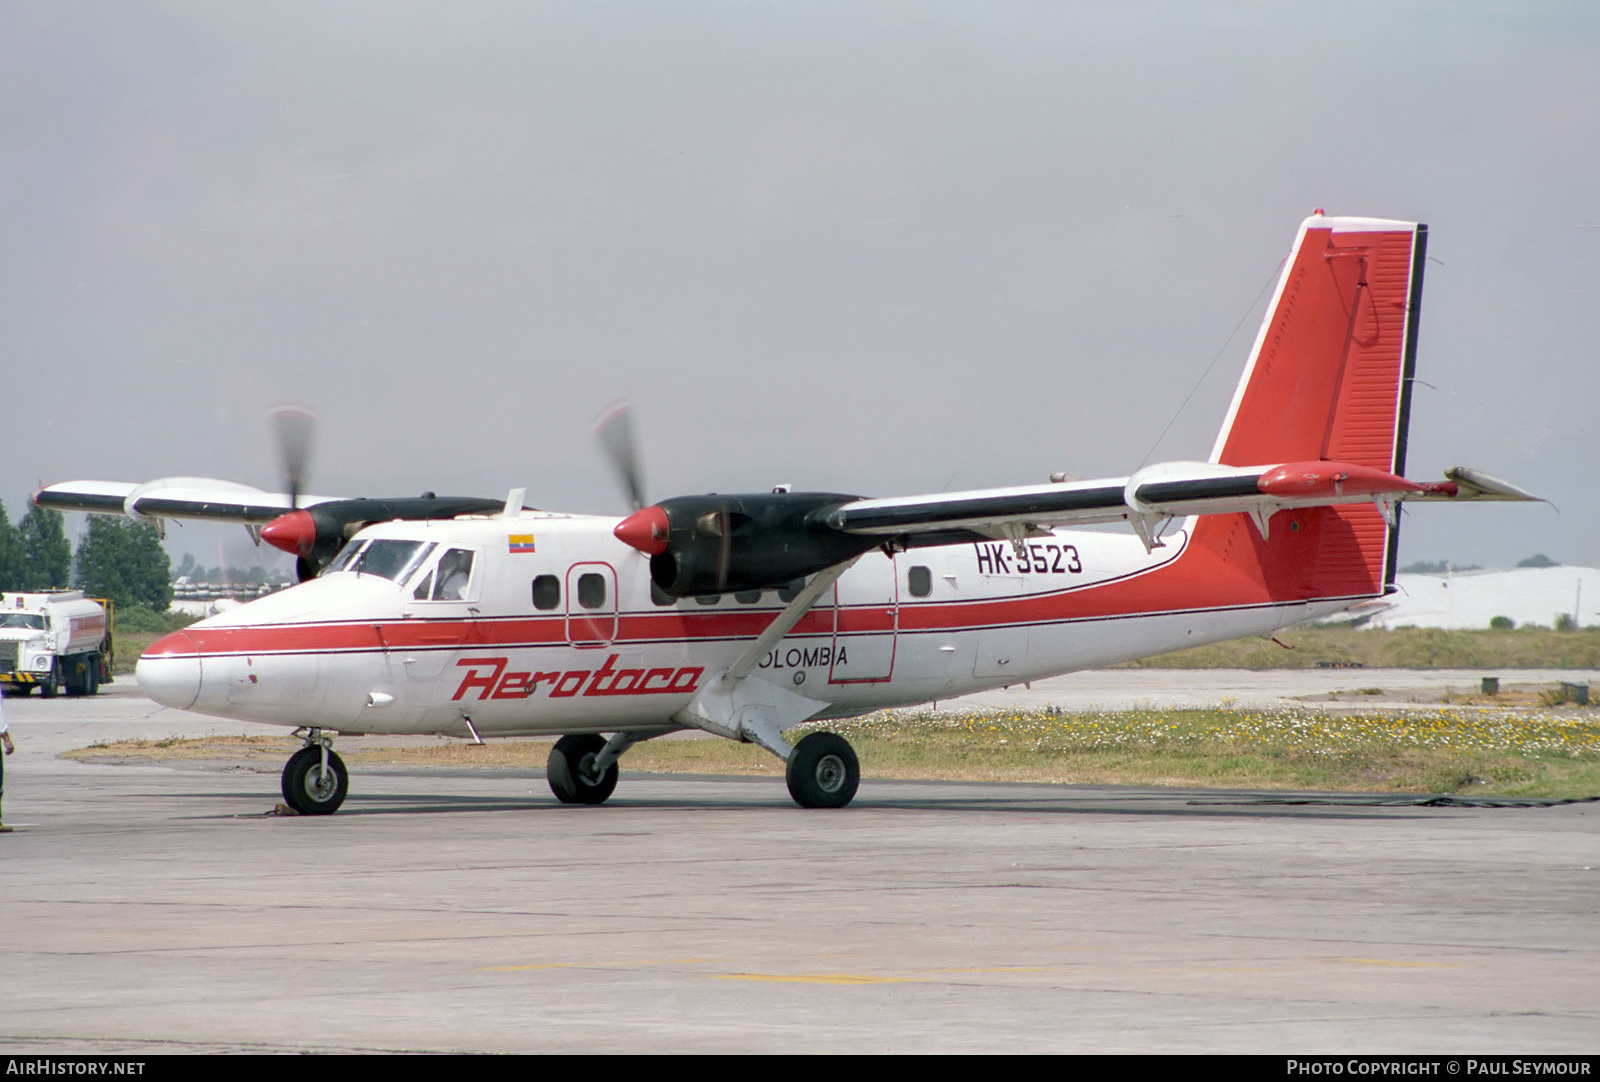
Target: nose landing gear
[(314, 780)]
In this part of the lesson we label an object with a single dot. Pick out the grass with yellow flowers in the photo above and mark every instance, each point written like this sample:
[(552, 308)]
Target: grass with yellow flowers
[(1548, 753), (1399, 648)]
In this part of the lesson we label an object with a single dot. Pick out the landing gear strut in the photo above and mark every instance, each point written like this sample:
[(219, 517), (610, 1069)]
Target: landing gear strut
[(314, 780)]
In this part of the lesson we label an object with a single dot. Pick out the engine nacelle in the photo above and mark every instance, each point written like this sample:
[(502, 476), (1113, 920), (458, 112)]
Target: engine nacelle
[(720, 544), (314, 535)]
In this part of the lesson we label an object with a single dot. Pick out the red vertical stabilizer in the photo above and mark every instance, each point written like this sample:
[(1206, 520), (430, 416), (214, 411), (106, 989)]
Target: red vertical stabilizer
[(1328, 380)]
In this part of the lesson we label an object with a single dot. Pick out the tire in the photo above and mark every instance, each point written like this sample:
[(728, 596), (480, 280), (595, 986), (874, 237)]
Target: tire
[(47, 686), (91, 678), (568, 768), (77, 684), (823, 771), (305, 791)]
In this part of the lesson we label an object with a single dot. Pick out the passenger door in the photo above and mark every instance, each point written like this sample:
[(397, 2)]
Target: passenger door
[(591, 604), (866, 621)]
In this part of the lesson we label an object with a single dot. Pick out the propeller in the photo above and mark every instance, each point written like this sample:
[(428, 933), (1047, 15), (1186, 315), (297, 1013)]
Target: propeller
[(296, 428), (649, 528), (313, 535), (613, 430)]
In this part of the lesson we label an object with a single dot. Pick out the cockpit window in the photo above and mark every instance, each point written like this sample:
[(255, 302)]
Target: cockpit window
[(31, 620), (388, 559), (347, 555), (416, 561)]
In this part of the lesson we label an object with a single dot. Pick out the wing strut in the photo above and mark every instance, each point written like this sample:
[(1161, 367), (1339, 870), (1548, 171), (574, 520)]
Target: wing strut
[(754, 710)]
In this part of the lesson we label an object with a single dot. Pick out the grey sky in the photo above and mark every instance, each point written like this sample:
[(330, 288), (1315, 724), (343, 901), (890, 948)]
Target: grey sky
[(878, 248)]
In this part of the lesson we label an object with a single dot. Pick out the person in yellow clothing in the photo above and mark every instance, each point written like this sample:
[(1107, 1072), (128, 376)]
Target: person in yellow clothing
[(5, 740)]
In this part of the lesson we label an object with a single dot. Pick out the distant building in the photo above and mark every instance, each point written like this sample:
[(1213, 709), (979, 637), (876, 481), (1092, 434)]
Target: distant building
[(1470, 599)]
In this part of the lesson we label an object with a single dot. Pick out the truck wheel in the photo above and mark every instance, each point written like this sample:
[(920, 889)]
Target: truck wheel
[(91, 677), (47, 686)]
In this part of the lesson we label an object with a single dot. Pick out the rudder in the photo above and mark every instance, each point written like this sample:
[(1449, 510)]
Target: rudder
[(1329, 376), (1329, 379)]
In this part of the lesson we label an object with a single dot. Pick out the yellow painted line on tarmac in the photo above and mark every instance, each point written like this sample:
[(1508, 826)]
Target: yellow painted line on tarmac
[(928, 975), (601, 965), (997, 969), (814, 978)]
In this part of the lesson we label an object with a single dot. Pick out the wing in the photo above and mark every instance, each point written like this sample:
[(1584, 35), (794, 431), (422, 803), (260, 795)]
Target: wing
[(198, 499)]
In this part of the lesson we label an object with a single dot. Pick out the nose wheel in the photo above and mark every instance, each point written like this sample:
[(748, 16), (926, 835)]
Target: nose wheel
[(315, 781)]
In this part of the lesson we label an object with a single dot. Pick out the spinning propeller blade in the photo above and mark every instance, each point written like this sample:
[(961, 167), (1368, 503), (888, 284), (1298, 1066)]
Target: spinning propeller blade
[(613, 429), (295, 427)]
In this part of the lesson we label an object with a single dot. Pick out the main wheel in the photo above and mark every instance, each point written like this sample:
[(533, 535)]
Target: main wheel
[(308, 789), (77, 681), (570, 771), (823, 771)]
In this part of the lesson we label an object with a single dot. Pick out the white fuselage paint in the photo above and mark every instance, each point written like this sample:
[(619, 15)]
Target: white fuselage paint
[(358, 653)]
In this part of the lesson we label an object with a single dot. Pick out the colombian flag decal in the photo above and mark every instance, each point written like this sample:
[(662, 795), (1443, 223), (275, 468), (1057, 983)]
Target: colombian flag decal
[(520, 542)]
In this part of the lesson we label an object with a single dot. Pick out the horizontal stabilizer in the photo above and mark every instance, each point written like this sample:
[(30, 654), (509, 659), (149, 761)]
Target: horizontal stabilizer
[(1480, 486), (1164, 491)]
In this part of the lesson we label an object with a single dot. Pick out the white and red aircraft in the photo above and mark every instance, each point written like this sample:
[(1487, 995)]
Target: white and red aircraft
[(745, 615)]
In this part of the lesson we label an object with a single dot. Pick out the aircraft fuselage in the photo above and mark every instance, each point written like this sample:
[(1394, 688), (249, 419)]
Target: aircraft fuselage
[(557, 629)]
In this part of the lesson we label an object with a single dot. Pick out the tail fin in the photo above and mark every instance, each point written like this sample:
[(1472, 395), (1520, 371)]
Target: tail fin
[(1329, 379)]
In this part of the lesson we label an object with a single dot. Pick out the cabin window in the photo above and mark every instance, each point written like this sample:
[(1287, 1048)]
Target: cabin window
[(659, 596), (455, 571), (591, 590), (546, 592), (788, 593), (920, 579), (707, 599), (747, 597)]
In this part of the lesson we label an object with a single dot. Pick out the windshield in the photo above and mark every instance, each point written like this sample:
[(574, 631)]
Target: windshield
[(23, 619), (389, 559), (341, 562)]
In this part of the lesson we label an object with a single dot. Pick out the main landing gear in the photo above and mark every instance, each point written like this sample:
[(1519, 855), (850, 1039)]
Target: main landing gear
[(314, 780), (823, 771), (583, 769)]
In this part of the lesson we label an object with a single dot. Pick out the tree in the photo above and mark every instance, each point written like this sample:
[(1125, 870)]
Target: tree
[(1538, 559), (13, 566), (45, 550), (125, 562)]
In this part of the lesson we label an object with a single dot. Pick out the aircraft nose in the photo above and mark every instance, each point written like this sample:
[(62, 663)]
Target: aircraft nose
[(169, 672)]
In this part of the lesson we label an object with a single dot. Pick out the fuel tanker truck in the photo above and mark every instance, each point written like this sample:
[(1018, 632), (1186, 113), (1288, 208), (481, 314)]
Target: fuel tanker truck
[(57, 639)]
